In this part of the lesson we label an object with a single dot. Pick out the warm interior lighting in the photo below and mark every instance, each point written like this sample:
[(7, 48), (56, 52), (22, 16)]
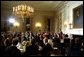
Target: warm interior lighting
[(70, 25), (23, 10), (38, 25), (16, 24), (11, 20), (65, 24)]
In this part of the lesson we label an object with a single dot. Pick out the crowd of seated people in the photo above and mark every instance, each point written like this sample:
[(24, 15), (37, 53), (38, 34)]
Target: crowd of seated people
[(39, 44)]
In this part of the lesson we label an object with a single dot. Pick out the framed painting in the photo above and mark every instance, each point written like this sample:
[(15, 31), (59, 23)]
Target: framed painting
[(78, 17)]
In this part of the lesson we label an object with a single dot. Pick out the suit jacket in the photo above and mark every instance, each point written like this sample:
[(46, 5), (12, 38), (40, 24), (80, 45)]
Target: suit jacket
[(46, 50), (31, 50), (12, 51)]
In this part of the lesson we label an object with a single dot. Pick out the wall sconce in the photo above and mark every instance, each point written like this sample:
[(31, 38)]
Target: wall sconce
[(70, 25), (38, 25), (16, 24), (65, 24)]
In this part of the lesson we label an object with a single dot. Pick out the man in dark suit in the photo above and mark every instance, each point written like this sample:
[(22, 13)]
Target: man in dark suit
[(12, 50), (47, 48), (32, 49), (75, 48)]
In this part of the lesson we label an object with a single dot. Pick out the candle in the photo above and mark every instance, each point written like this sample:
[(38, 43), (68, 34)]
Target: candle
[(25, 7), (13, 9), (22, 7), (18, 7)]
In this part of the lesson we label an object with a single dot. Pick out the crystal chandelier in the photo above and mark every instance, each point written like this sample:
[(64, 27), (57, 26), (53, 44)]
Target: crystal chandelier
[(23, 10)]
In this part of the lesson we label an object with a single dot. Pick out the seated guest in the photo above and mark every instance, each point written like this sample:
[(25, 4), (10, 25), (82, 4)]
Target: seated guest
[(66, 44), (37, 38), (75, 49), (56, 52), (41, 40), (7, 42), (12, 50), (32, 49), (56, 41), (50, 42), (61, 36), (46, 51)]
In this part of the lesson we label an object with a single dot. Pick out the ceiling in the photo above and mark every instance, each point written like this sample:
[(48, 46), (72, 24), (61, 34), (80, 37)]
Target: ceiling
[(37, 5)]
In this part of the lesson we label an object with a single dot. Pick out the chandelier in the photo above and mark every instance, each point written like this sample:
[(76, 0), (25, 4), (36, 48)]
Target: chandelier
[(23, 10)]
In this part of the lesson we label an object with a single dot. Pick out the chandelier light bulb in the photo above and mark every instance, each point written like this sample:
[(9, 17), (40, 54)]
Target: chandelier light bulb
[(23, 10)]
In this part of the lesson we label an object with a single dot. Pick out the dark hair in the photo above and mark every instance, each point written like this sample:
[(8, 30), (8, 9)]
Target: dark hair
[(33, 41), (66, 35), (15, 41), (46, 39), (7, 42)]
